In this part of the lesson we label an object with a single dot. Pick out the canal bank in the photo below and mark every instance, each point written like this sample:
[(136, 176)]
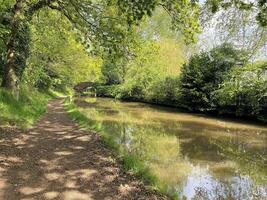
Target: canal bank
[(190, 155), (234, 111)]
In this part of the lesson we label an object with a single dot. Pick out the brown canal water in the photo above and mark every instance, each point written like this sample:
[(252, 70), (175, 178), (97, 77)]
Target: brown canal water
[(196, 156)]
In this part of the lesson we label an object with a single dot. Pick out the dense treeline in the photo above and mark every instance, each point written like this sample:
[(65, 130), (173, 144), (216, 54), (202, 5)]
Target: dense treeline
[(220, 81)]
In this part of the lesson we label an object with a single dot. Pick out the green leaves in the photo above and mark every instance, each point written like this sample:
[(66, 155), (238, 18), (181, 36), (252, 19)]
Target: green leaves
[(245, 89), (135, 10), (203, 74), (259, 6), (57, 58), (262, 16), (184, 14)]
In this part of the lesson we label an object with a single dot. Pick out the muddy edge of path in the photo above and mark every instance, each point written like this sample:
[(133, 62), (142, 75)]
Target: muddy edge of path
[(57, 160)]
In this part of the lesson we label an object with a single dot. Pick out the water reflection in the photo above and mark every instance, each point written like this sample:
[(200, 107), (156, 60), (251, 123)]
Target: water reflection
[(201, 184), (196, 156)]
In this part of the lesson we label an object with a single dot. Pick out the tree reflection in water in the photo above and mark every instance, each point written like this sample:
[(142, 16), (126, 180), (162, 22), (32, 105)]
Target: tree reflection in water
[(197, 157)]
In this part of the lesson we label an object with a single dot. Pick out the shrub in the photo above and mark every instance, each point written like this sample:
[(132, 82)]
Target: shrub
[(165, 91), (203, 74), (107, 90), (245, 90)]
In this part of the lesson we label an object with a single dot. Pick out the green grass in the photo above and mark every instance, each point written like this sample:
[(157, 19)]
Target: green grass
[(130, 162), (24, 109)]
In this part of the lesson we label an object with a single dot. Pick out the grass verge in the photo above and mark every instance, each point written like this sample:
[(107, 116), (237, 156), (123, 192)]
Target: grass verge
[(24, 109), (130, 162)]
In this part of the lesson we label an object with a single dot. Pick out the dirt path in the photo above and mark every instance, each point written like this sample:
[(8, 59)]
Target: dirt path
[(56, 160)]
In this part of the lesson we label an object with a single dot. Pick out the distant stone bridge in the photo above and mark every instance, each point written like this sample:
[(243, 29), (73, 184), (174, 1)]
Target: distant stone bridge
[(85, 87)]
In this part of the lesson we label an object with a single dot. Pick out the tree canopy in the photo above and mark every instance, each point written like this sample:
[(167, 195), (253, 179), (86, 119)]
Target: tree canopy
[(102, 26)]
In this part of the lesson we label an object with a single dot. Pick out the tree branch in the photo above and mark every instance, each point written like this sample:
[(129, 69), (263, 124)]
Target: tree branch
[(39, 5)]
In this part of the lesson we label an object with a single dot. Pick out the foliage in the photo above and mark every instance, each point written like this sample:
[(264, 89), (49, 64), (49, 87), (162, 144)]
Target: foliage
[(57, 59), (25, 109), (203, 74), (2, 58), (235, 26), (149, 68), (165, 91), (258, 7), (183, 13), (101, 26), (218, 81), (112, 91), (114, 70), (244, 91), (11, 23)]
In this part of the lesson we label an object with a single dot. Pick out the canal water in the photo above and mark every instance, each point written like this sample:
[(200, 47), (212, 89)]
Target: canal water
[(196, 156)]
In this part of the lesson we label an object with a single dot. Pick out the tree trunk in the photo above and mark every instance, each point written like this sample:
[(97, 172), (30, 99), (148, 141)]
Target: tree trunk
[(17, 49), (10, 77)]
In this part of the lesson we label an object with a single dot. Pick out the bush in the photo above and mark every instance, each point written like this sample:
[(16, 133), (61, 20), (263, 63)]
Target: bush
[(244, 92), (203, 74), (165, 91), (108, 91), (132, 91)]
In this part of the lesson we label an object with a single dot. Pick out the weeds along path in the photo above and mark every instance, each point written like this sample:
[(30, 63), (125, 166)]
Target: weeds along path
[(57, 160)]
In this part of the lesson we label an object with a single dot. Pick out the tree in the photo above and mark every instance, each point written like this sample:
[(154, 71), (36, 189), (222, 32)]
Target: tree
[(244, 91), (57, 59), (259, 7), (204, 73), (235, 26), (114, 70), (102, 23), (94, 19)]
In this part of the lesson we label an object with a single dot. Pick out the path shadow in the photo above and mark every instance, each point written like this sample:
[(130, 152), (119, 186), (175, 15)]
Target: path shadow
[(56, 160)]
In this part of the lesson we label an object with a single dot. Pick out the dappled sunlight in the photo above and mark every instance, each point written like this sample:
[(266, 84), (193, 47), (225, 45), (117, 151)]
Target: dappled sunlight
[(53, 176), (3, 186), (83, 173), (78, 147), (30, 190), (34, 133), (13, 159), (57, 160), (74, 195), (63, 153), (61, 133), (51, 195), (71, 184), (125, 189), (85, 138)]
